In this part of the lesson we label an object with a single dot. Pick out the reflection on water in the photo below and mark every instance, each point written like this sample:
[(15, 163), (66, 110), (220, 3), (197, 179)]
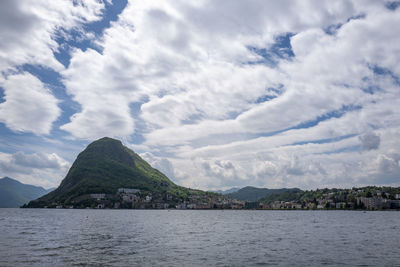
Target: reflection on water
[(181, 238)]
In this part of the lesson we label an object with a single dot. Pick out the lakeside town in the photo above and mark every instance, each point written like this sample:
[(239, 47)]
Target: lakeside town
[(370, 198), (131, 198)]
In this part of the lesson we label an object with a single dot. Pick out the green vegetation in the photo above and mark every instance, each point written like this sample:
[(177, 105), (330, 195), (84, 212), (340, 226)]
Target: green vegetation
[(106, 165), (288, 195), (252, 194)]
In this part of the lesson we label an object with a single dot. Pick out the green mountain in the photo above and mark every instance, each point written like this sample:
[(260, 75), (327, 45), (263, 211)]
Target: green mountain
[(13, 194), (288, 195), (250, 193), (105, 166)]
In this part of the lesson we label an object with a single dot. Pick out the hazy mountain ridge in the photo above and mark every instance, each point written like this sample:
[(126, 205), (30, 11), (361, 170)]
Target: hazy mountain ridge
[(227, 191), (14, 194)]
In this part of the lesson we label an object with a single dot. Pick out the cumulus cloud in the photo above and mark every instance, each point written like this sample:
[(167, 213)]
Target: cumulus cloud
[(38, 168), (29, 105), (385, 169), (388, 164), (222, 169), (161, 164)]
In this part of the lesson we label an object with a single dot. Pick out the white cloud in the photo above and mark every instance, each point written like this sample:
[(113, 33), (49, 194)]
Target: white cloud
[(39, 168), (189, 67), (38, 160), (370, 141), (161, 164), (203, 90), (28, 29), (29, 105)]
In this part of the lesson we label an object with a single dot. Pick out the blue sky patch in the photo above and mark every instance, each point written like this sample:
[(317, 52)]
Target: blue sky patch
[(393, 5), (75, 38), (323, 141), (349, 149), (9, 140), (281, 49), (356, 17), (140, 125), (378, 70), (69, 40), (265, 98), (110, 13), (371, 89), (332, 29), (270, 94), (329, 115), (2, 95)]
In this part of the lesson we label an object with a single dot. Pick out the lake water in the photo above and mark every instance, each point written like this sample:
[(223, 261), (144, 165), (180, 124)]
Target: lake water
[(45, 237)]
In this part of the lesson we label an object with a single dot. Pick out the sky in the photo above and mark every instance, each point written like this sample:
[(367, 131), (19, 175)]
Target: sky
[(215, 94)]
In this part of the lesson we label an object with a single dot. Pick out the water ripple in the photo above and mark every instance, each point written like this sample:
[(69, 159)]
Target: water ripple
[(192, 238)]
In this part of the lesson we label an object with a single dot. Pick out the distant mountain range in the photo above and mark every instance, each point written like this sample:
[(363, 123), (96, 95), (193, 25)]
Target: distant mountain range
[(228, 191), (250, 193), (14, 194)]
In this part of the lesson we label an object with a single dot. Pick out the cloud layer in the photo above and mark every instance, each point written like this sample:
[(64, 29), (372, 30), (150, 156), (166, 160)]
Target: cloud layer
[(38, 168), (215, 94)]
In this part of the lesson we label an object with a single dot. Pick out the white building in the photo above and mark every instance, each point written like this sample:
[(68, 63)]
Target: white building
[(148, 199), (371, 202)]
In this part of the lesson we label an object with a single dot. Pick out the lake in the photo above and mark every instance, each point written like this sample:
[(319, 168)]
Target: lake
[(55, 237)]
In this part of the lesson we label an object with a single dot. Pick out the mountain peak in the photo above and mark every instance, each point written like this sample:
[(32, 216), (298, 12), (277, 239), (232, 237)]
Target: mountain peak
[(107, 139), (8, 180), (105, 166), (5, 178), (107, 148)]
